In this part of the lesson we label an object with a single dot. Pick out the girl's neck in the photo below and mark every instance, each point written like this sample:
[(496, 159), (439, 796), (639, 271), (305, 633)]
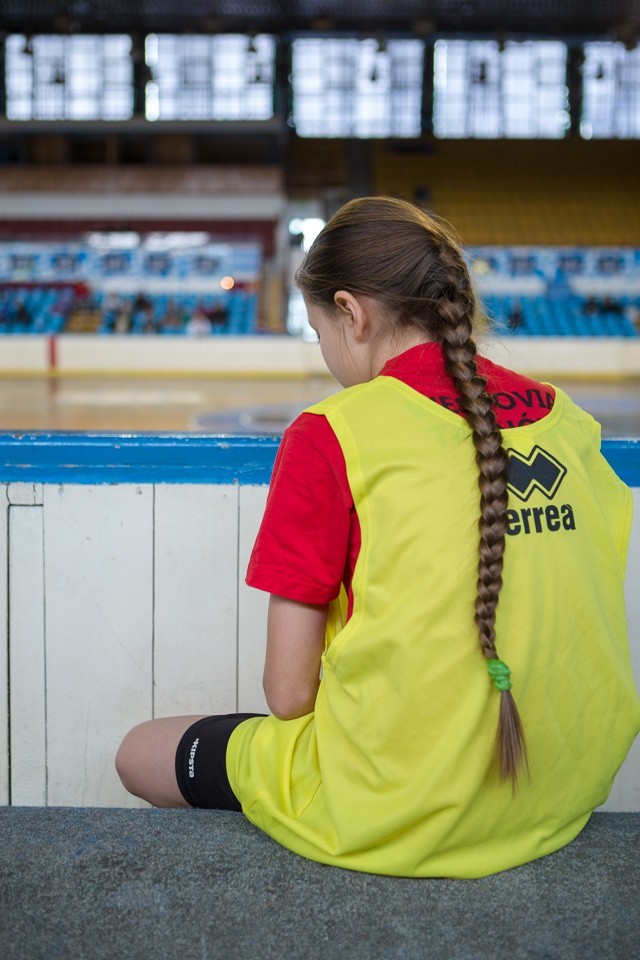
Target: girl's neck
[(387, 350)]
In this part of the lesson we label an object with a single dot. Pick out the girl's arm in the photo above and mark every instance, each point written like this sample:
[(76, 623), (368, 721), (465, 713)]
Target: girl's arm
[(295, 640)]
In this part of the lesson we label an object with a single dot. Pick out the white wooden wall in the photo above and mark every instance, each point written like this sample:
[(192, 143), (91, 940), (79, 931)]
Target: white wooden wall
[(122, 602)]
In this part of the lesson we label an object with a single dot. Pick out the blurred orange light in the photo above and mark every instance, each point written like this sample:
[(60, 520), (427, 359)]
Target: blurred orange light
[(227, 283)]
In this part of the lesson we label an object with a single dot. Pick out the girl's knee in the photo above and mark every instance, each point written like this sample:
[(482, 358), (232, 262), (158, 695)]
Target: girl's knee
[(129, 757), (145, 761)]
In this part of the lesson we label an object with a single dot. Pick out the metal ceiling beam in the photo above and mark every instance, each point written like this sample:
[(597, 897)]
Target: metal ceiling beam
[(578, 17)]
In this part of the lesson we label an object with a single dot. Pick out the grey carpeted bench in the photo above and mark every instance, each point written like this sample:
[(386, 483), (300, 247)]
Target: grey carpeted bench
[(109, 884)]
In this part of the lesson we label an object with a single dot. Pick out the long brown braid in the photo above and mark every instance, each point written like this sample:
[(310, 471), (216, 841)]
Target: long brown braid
[(411, 263), (459, 349)]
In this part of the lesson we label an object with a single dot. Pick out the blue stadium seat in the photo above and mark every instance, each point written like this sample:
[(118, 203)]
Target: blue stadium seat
[(558, 318)]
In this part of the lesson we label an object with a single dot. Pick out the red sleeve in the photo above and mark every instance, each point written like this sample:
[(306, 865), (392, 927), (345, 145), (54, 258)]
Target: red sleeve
[(301, 548)]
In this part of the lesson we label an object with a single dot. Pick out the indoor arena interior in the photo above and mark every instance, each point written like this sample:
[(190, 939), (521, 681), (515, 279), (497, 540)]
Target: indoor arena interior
[(165, 169)]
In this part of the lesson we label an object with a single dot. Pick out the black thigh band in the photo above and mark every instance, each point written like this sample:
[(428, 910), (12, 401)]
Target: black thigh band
[(201, 762)]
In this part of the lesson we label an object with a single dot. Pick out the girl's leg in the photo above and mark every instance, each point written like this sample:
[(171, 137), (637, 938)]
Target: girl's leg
[(146, 760)]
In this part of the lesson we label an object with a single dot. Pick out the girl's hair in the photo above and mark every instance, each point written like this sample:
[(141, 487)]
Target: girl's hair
[(412, 264)]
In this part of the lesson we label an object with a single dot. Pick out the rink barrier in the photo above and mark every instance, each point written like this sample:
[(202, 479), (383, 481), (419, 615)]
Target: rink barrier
[(122, 597), (182, 458), (137, 458), (277, 355)]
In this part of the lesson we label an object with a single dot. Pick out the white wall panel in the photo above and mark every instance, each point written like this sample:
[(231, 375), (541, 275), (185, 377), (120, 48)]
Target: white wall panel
[(4, 646), (551, 357), (27, 701), (252, 614), (625, 794), (196, 596), (24, 494), (278, 355), (555, 357), (98, 581), (25, 353)]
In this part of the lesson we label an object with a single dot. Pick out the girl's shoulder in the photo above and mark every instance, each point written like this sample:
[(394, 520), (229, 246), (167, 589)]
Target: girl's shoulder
[(310, 428), (343, 397), (518, 399), (309, 445), (499, 377)]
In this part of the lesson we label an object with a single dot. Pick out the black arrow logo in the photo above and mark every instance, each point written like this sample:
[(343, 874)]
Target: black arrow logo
[(539, 471)]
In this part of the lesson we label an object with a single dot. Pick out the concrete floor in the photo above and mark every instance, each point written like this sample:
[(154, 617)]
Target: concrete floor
[(83, 884)]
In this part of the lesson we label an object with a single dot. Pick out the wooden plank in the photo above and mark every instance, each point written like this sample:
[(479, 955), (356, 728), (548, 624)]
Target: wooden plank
[(625, 795), (4, 647), (252, 607), (27, 702), (25, 494), (195, 599), (98, 562)]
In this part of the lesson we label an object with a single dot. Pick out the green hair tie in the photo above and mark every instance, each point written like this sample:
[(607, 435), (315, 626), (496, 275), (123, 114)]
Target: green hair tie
[(499, 673)]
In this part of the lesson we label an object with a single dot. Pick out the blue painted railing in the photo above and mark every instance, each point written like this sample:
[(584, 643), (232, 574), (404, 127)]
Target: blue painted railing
[(180, 458), (135, 458)]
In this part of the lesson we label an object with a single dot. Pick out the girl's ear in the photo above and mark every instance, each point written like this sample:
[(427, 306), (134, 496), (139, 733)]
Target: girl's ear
[(353, 311)]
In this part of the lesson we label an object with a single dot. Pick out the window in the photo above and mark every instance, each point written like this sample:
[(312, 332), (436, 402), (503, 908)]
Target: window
[(226, 77), (611, 91), (483, 90), (357, 88), (80, 77)]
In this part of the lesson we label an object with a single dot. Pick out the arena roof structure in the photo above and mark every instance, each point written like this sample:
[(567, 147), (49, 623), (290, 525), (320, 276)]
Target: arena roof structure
[(617, 19)]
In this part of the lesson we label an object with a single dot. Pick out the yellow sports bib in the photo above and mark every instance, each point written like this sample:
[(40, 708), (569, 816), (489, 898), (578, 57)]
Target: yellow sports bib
[(394, 772)]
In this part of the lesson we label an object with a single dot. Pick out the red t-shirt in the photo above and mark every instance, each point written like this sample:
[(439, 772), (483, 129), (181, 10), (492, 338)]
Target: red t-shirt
[(309, 539)]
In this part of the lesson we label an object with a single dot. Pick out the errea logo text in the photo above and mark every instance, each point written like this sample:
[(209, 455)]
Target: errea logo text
[(537, 519)]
